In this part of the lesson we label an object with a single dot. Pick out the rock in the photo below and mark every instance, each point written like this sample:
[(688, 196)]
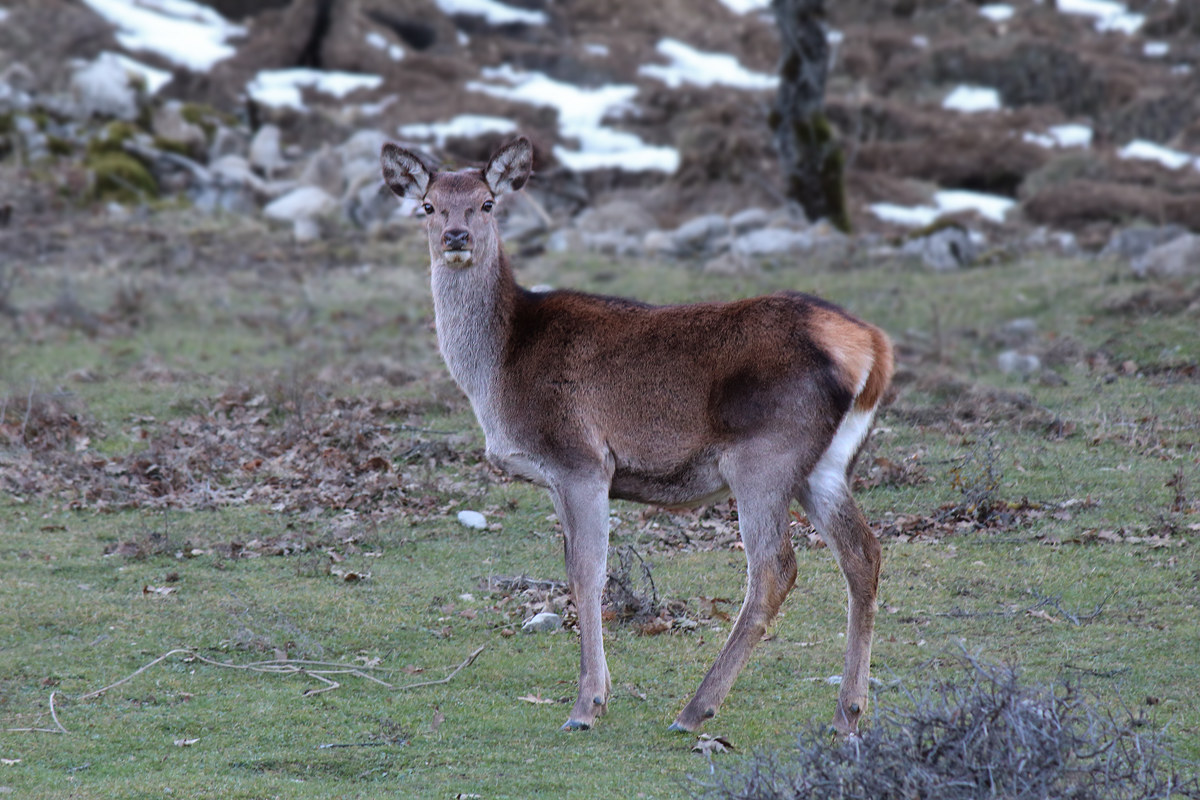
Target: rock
[(472, 519), (1139, 240), (729, 264), (1011, 362), (613, 243), (1015, 332), (659, 243), (16, 81), (700, 233), (364, 144), (106, 88), (624, 216), (749, 219), (545, 622), (306, 229), (944, 250), (170, 127), (305, 202), (228, 142), (768, 242), (1176, 259), (266, 151), (324, 170)]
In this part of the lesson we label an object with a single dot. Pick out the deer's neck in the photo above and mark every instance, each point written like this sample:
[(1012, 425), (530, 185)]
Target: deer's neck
[(473, 310)]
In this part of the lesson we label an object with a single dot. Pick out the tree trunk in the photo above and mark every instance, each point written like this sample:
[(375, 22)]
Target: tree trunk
[(812, 160)]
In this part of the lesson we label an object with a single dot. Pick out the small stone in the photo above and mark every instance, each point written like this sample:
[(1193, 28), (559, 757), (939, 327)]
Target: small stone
[(266, 151), (749, 219), (306, 202), (771, 242), (1178, 258), (943, 250), (472, 519), (1011, 362), (545, 622), (698, 234)]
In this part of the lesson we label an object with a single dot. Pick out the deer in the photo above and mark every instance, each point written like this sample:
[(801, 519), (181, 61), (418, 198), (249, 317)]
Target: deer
[(596, 398)]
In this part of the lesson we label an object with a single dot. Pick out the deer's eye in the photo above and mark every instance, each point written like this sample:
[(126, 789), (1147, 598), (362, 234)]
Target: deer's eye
[(487, 206), (427, 208)]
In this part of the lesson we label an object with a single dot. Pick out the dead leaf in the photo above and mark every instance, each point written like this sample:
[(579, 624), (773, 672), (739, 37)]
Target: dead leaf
[(438, 719), (185, 742), (10, 761), (536, 699), (712, 744), (159, 590), (349, 575), (655, 626), (1038, 613)]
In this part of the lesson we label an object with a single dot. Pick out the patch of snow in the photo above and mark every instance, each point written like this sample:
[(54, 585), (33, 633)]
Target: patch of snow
[(380, 42), (1149, 151), (746, 6), (834, 37), (689, 65), (462, 125), (920, 42), (581, 112), (997, 12), (909, 216), (972, 99), (280, 88), (1062, 136), (1155, 49), (596, 49), (1110, 16), (183, 32), (949, 201), (154, 79), (495, 13), (989, 206)]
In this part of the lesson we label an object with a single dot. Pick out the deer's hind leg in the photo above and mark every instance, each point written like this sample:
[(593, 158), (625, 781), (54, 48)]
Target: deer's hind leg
[(771, 573), (838, 519)]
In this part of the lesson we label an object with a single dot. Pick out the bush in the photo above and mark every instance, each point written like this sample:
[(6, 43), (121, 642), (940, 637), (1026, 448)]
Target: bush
[(980, 735)]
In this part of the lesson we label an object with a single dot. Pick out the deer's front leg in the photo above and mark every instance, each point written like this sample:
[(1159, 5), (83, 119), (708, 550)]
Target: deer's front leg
[(582, 506)]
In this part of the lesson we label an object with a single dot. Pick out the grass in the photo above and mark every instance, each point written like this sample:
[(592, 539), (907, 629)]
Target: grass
[(1106, 457)]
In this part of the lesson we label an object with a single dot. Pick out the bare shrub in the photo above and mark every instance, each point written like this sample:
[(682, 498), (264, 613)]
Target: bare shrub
[(979, 733)]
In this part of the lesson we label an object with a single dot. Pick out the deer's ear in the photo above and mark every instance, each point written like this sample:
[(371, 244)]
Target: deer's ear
[(403, 172), (510, 167)]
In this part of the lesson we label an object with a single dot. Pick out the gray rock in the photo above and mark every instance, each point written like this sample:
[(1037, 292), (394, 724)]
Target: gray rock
[(266, 151), (768, 242), (613, 243), (304, 202), (324, 170), (104, 87), (545, 622), (228, 142), (1176, 259), (749, 219), (699, 234), (624, 216), (364, 145), (1135, 242), (1015, 332), (168, 123), (1012, 362), (660, 243), (944, 250)]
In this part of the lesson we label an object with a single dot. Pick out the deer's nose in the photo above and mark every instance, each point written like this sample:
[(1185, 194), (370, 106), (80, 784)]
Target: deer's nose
[(457, 239)]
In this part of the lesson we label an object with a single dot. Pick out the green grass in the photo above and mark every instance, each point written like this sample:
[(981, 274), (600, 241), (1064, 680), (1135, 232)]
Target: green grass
[(1094, 452)]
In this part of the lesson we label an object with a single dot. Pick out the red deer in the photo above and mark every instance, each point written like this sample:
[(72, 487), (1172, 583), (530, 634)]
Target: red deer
[(594, 397)]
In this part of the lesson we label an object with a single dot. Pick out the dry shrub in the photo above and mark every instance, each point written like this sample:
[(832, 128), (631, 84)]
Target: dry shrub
[(978, 733)]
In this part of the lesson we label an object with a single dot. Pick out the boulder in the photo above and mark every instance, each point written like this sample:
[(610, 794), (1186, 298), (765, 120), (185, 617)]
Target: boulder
[(943, 250), (1176, 259)]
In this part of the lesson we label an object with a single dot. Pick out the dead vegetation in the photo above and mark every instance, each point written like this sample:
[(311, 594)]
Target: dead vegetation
[(977, 731)]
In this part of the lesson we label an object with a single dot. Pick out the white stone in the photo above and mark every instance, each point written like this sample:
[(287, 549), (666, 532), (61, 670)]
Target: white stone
[(305, 202), (545, 622), (472, 519), (266, 151)]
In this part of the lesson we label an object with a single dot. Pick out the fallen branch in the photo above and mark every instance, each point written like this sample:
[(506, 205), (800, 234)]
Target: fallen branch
[(276, 667), (53, 715), (446, 679)]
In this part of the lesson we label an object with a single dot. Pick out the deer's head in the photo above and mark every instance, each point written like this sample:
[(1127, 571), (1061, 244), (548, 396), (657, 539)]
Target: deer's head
[(458, 205)]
